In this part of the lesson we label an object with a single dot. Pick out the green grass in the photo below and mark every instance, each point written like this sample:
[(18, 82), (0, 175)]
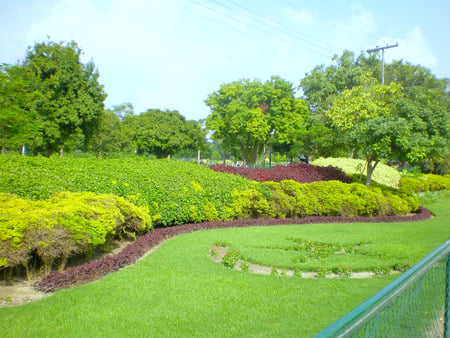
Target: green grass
[(179, 291)]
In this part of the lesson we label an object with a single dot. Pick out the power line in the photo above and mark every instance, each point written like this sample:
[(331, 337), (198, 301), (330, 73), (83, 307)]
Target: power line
[(259, 24), (376, 49)]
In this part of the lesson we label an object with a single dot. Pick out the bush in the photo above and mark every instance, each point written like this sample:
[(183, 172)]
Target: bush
[(299, 172), (334, 198), (429, 182), (383, 173), (48, 232), (175, 192)]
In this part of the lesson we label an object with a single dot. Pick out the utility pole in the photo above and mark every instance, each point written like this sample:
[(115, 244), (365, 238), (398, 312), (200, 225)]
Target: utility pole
[(382, 57)]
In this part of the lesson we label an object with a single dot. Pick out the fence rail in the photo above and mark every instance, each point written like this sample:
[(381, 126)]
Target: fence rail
[(416, 304)]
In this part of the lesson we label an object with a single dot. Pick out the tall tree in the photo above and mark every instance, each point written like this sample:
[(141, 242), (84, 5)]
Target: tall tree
[(385, 124), (17, 115), (71, 100), (246, 114)]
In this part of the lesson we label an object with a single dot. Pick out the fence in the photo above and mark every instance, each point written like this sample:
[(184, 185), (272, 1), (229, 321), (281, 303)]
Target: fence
[(414, 305)]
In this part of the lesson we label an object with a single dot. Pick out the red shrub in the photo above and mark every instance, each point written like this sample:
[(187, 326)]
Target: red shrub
[(300, 172)]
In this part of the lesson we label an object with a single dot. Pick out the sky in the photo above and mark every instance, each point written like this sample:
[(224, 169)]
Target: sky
[(172, 54)]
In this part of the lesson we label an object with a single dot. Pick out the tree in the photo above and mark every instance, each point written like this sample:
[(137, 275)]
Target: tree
[(163, 133), (17, 117), (71, 98), (383, 123), (246, 114)]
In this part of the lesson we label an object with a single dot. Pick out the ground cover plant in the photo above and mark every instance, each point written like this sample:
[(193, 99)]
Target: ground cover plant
[(179, 291), (299, 172), (383, 173)]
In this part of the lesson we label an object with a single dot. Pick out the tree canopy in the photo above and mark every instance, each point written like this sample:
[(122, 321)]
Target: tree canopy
[(246, 114), (163, 133), (70, 97)]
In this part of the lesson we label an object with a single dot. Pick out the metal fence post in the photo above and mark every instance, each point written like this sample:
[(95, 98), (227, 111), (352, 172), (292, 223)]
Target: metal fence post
[(447, 301)]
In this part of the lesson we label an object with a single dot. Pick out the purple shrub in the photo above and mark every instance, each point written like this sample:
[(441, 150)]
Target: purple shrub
[(300, 172)]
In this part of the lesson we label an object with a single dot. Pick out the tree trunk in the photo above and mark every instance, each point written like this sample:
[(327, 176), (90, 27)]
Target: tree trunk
[(370, 170), (198, 156), (62, 263)]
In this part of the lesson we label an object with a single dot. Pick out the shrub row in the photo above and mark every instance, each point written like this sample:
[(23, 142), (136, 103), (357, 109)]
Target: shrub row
[(101, 267), (429, 182), (46, 233), (299, 172), (383, 173), (175, 192), (333, 198)]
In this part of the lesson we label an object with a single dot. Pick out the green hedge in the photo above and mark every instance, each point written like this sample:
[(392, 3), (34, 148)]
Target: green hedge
[(331, 198), (178, 192), (47, 232), (175, 192), (429, 182)]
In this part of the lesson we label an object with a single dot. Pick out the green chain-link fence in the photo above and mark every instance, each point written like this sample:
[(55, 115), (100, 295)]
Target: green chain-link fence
[(415, 305)]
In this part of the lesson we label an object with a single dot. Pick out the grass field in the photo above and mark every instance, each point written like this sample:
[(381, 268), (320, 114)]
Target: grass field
[(179, 291)]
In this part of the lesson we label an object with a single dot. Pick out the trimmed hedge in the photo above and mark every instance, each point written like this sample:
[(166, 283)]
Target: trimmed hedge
[(96, 269), (175, 192), (429, 182), (46, 233)]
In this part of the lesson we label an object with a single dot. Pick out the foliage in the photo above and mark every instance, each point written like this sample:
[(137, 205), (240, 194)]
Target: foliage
[(71, 98), (111, 135), (423, 183), (333, 198), (410, 127), (65, 225), (178, 192), (300, 172), (17, 115), (231, 257), (246, 114), (163, 133), (383, 174), (175, 192)]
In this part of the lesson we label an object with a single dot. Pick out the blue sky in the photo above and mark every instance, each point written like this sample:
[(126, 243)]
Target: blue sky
[(170, 54)]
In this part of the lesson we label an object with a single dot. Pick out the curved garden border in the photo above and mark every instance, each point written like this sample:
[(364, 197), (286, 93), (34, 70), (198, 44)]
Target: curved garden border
[(96, 269)]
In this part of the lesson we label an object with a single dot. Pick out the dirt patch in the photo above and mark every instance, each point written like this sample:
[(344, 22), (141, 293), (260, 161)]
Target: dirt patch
[(18, 291)]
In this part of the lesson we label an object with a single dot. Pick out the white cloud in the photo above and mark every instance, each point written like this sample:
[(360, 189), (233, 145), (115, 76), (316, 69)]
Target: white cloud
[(413, 47), (352, 33)]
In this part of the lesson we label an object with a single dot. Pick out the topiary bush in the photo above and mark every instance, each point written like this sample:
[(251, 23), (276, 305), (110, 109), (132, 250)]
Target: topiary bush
[(46, 233)]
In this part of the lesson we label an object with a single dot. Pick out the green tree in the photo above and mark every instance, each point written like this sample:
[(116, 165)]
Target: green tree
[(17, 116), (110, 136), (246, 114), (163, 133), (383, 123), (71, 98)]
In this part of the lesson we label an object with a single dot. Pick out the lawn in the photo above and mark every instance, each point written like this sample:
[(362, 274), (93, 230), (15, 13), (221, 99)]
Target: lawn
[(179, 291)]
